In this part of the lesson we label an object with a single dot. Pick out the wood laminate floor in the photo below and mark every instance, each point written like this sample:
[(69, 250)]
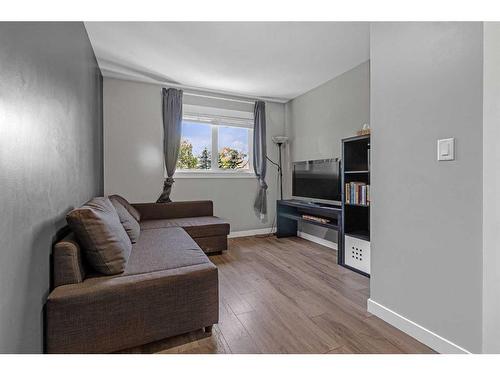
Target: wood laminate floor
[(289, 296)]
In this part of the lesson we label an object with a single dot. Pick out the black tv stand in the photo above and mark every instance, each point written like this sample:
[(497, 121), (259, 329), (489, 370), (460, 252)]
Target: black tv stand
[(315, 204), (290, 211)]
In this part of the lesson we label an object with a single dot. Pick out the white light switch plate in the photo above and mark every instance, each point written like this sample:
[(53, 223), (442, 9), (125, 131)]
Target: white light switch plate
[(446, 149)]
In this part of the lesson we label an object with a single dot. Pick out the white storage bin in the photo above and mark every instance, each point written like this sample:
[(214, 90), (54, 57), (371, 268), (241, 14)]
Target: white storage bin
[(357, 253)]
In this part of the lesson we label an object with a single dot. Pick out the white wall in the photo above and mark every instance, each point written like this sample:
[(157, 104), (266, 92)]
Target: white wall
[(133, 162), (317, 121), (491, 187), (426, 231)]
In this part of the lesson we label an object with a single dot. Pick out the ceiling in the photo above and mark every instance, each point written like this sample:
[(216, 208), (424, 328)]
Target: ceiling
[(275, 60)]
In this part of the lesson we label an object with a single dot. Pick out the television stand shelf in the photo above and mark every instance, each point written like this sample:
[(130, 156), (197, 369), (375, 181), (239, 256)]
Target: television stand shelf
[(290, 211)]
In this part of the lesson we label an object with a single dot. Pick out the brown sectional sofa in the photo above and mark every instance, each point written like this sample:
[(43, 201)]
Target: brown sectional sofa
[(169, 285)]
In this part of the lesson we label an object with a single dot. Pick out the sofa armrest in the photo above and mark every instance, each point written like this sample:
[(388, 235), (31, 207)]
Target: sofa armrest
[(173, 210), (106, 314)]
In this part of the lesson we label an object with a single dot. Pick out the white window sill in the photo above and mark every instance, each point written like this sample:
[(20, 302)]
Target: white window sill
[(213, 174)]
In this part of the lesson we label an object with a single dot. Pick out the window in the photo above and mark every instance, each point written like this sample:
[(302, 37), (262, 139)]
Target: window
[(215, 140), (196, 146), (233, 147)]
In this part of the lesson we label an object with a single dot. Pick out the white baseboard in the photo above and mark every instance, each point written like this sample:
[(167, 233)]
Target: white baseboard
[(318, 240), (247, 233), (422, 334)]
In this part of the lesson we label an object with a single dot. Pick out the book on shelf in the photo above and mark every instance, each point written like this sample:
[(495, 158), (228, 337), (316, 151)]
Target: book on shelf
[(357, 193)]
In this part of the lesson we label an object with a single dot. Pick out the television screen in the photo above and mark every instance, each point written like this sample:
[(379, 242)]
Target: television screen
[(317, 179)]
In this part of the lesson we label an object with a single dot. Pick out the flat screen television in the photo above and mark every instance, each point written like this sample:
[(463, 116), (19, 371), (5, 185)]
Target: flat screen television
[(317, 180)]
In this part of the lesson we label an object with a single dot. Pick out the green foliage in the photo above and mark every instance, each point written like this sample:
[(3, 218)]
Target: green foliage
[(229, 158), (205, 159), (186, 158)]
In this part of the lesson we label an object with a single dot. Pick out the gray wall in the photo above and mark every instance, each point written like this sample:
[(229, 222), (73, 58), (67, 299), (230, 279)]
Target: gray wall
[(426, 242), (133, 163), (317, 121), (50, 161), (491, 187)]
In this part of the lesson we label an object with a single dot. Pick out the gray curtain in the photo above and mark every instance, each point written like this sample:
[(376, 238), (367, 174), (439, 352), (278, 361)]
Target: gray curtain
[(172, 126), (259, 157)]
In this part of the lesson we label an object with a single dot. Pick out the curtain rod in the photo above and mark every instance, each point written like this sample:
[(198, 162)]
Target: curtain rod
[(218, 97)]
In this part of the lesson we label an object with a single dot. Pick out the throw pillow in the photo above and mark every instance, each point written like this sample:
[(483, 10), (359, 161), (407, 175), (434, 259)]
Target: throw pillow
[(125, 203), (131, 225), (97, 228)]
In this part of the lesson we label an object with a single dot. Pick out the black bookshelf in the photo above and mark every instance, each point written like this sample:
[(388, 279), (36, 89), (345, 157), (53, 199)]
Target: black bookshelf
[(355, 216)]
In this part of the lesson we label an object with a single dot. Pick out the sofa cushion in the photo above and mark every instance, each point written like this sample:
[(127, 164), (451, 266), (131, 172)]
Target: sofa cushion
[(97, 228), (125, 203), (202, 226), (164, 249), (129, 223)]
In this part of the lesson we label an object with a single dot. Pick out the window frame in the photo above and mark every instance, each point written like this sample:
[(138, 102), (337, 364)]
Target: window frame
[(217, 118)]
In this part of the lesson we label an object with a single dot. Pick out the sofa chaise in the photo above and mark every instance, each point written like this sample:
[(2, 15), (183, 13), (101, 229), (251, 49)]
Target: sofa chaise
[(168, 285), (195, 217)]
